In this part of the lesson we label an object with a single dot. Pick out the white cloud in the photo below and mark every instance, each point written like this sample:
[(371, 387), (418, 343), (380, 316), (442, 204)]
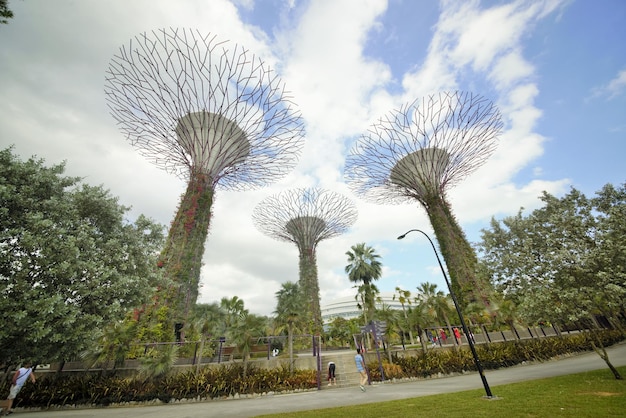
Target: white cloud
[(613, 88), (53, 105)]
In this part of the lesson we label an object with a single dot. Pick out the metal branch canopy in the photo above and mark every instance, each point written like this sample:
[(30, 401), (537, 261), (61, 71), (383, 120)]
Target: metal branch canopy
[(423, 148), (188, 101), (305, 217), (210, 112)]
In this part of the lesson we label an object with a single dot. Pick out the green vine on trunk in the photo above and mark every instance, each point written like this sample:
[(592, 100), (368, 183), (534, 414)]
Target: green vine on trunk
[(182, 256), (460, 257)]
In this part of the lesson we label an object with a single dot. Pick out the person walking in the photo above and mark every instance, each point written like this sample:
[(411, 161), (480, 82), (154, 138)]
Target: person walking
[(360, 366), (19, 378)]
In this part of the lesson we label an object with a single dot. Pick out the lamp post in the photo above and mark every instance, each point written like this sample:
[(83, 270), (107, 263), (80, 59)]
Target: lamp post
[(479, 367)]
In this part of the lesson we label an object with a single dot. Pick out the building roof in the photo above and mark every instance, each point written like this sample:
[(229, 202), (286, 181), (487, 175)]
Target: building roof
[(346, 307)]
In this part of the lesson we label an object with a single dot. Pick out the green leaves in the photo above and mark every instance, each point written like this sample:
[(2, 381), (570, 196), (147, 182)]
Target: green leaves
[(565, 261), (69, 263)]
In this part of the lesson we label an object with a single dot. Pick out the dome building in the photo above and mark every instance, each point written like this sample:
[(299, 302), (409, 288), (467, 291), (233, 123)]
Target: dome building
[(347, 307)]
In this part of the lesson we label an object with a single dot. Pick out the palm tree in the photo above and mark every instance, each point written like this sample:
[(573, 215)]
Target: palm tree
[(392, 318), (290, 313), (208, 320), (246, 329), (438, 304), (115, 344), (507, 312), (233, 308), (477, 314), (364, 267), (418, 318), (404, 297)]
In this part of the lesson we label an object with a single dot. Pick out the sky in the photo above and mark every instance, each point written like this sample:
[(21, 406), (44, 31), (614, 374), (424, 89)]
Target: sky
[(556, 69)]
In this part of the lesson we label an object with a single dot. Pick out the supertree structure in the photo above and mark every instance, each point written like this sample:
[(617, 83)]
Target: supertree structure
[(213, 114), (417, 153), (306, 217)]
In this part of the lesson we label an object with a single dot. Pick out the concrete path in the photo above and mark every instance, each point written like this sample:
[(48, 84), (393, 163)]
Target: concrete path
[(332, 397)]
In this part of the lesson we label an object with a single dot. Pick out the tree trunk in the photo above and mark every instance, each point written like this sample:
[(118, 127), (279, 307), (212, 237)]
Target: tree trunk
[(290, 338), (598, 347), (181, 257), (311, 288), (460, 258)]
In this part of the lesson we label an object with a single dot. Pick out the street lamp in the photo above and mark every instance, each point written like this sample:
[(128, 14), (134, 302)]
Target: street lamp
[(479, 367)]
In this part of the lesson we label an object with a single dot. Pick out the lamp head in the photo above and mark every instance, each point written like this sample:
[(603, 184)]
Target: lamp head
[(402, 236)]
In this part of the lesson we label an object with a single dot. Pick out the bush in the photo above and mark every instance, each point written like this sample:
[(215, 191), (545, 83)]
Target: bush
[(92, 388), (501, 354), (211, 382)]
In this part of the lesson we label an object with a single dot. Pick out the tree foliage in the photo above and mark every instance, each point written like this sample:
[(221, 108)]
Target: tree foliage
[(565, 261), (69, 262), (5, 12)]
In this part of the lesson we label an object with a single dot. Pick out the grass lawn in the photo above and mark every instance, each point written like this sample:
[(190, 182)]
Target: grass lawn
[(591, 394)]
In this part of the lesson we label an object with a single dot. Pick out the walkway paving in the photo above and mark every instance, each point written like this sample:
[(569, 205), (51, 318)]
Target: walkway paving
[(251, 407)]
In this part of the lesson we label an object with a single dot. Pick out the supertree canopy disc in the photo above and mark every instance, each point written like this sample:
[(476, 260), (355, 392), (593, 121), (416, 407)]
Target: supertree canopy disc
[(423, 148), (214, 142), (305, 216), (188, 101)]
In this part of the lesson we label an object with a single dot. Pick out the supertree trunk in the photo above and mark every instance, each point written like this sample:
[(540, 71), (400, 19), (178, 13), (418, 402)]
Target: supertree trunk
[(416, 154), (310, 285), (181, 257), (210, 112), (460, 257)]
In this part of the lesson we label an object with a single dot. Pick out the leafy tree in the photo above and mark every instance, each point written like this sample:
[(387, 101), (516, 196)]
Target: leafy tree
[(563, 262), (342, 329), (363, 268), (5, 12), (69, 262), (609, 257), (290, 313)]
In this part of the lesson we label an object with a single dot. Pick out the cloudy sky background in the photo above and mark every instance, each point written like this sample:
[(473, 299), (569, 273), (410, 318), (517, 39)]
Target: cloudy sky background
[(555, 68)]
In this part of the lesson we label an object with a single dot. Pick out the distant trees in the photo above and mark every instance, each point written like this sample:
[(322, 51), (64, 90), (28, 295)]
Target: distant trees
[(69, 262)]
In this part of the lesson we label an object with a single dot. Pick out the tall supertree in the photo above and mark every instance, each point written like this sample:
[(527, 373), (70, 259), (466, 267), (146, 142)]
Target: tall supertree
[(418, 153), (306, 217), (213, 114)]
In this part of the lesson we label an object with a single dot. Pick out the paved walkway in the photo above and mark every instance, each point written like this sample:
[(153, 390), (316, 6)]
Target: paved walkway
[(251, 407)]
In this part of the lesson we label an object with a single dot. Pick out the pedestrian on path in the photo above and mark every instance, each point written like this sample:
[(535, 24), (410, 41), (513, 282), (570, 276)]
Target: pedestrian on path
[(19, 378), (360, 366)]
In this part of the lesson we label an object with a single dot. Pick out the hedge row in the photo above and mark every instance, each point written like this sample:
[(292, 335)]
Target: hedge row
[(98, 389)]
